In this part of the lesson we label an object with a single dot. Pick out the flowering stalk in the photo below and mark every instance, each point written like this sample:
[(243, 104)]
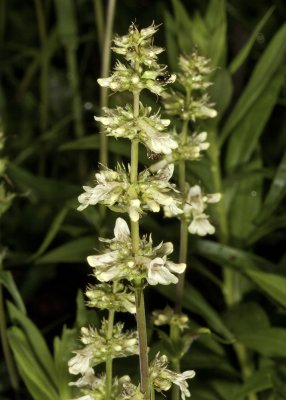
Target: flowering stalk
[(130, 262)]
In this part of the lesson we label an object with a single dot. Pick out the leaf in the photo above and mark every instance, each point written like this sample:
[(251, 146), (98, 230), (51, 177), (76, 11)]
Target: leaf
[(6, 278), (244, 52), (270, 342), (215, 20), (259, 381), (195, 302), (36, 341), (221, 91), (36, 379), (63, 347), (48, 190), (245, 204), (266, 69), (276, 192), (73, 251), (274, 285), (269, 226), (171, 42), (228, 256), (53, 230), (245, 134)]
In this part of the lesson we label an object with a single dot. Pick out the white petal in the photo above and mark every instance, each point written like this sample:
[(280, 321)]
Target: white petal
[(100, 259), (177, 268), (121, 230)]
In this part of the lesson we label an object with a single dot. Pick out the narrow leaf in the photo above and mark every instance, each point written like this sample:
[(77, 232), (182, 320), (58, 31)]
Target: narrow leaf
[(244, 52)]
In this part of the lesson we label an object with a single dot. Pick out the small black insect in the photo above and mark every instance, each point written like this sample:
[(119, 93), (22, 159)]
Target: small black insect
[(153, 156), (163, 78)]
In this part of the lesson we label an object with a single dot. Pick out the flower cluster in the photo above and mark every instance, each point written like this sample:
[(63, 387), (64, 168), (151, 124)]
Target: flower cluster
[(98, 347), (147, 128), (169, 317), (94, 387), (162, 378), (150, 263), (192, 102), (138, 50), (111, 297), (194, 211), (115, 190)]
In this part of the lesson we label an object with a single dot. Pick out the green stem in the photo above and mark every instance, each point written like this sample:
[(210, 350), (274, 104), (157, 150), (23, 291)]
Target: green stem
[(104, 74), (183, 227), (98, 14), (71, 48), (5, 346), (108, 363), (229, 286), (152, 393), (139, 296), (142, 335)]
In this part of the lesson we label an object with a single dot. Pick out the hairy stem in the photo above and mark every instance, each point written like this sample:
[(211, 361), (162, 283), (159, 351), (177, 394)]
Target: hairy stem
[(139, 296), (108, 363)]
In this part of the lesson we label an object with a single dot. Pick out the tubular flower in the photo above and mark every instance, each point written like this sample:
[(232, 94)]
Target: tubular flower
[(115, 190), (195, 207), (94, 387), (162, 378), (103, 296), (98, 347), (147, 128), (119, 262)]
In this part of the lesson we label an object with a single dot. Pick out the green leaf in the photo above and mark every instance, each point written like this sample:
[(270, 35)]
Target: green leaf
[(6, 278), (73, 251), (222, 83), (263, 75), (276, 192), (270, 342), (48, 190), (228, 256), (36, 342), (63, 348), (53, 230), (215, 20), (245, 204), (245, 134), (274, 285), (35, 377), (244, 52), (195, 302), (269, 226), (171, 42), (259, 381)]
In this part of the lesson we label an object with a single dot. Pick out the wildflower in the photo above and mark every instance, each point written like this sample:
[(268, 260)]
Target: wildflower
[(169, 317), (115, 190), (147, 128), (162, 378), (119, 262), (104, 296), (98, 347)]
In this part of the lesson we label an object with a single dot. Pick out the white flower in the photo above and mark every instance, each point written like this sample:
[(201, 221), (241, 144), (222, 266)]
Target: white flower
[(201, 225), (180, 380), (159, 271), (79, 364), (121, 230)]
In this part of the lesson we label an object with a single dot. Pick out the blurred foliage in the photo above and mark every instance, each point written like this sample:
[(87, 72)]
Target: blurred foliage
[(237, 283)]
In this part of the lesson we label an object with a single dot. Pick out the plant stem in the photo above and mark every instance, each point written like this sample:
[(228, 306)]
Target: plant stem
[(183, 227), (142, 335), (5, 346), (229, 276), (98, 14), (104, 74), (108, 363), (175, 331), (139, 296)]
